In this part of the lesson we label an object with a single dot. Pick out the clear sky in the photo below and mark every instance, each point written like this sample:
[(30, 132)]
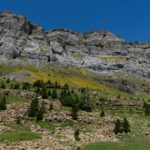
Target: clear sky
[(129, 19)]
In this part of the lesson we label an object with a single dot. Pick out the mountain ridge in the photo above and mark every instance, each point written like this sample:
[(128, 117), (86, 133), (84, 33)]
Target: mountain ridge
[(98, 51)]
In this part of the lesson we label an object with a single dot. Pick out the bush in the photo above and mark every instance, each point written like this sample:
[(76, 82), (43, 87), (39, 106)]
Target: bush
[(85, 105), (122, 126), (146, 108), (18, 120), (77, 134), (67, 101), (16, 86), (26, 86), (38, 83), (8, 80), (2, 86)]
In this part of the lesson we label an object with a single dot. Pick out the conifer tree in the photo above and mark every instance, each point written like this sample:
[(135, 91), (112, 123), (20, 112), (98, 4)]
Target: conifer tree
[(40, 113), (3, 86), (51, 106), (126, 126), (54, 93), (3, 103), (33, 109), (118, 126), (74, 111), (102, 114)]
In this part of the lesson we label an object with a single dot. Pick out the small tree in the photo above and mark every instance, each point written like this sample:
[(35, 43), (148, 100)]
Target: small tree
[(51, 106), (44, 93), (102, 114), (77, 134), (49, 93), (41, 112), (16, 86), (26, 86), (3, 86), (74, 111), (33, 109), (54, 93), (126, 126), (8, 80), (40, 115), (118, 127), (18, 120), (3, 103)]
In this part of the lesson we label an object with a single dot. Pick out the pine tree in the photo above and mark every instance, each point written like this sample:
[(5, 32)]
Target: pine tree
[(44, 93), (33, 109), (41, 112), (3, 103), (40, 115), (102, 114), (126, 126), (118, 127), (49, 93), (54, 93), (74, 111), (51, 106)]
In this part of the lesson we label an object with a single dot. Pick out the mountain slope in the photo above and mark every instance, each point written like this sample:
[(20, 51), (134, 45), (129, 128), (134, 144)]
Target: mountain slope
[(112, 61)]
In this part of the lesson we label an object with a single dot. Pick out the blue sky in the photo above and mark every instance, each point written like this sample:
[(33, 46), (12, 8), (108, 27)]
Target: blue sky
[(129, 19)]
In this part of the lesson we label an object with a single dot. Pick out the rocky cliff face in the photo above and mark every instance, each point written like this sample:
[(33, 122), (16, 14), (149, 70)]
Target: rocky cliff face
[(99, 51)]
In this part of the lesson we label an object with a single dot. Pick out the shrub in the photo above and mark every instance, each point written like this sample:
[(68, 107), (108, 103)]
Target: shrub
[(85, 105), (38, 83), (3, 86), (67, 101), (122, 126), (8, 80), (18, 120), (16, 86), (77, 134), (26, 86)]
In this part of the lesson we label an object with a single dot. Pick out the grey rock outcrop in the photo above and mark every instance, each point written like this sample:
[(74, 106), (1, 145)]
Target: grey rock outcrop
[(99, 51)]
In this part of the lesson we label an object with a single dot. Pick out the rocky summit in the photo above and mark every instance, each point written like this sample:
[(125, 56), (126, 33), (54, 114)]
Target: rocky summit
[(102, 52)]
